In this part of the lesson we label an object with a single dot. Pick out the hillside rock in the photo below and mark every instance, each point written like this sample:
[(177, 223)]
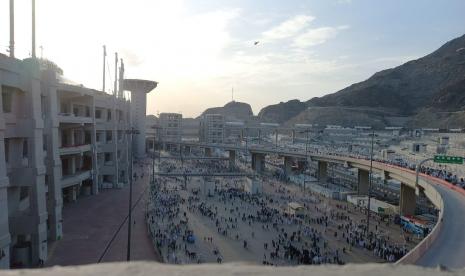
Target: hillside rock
[(407, 88), (282, 112), (232, 111)]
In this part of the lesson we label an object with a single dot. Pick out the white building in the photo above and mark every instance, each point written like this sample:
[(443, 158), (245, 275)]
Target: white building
[(211, 128), (171, 127), (58, 141)]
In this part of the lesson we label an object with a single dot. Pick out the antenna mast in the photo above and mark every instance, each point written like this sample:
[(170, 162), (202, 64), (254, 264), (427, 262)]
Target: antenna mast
[(33, 28), (104, 57), (12, 28)]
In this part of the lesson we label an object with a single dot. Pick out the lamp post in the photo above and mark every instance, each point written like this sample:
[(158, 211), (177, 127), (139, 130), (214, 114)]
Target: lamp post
[(131, 132), (307, 141), (370, 182)]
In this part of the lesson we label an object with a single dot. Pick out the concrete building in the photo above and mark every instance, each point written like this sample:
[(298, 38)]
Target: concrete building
[(171, 127), (234, 132), (211, 128), (139, 89), (58, 141)]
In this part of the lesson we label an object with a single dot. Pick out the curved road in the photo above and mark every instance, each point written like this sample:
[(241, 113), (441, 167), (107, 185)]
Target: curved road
[(449, 247)]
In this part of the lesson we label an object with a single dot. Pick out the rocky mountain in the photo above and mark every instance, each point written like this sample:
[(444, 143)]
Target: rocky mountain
[(282, 112), (232, 111), (431, 84)]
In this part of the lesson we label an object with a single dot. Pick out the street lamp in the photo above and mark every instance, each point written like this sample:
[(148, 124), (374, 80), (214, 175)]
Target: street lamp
[(306, 148), (370, 181), (131, 132)]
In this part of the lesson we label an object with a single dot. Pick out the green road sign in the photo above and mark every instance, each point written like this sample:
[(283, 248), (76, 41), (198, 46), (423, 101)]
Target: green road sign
[(448, 159)]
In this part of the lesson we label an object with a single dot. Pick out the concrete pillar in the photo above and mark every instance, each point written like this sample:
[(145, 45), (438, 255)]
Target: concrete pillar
[(53, 160), (407, 203), (293, 136), (363, 182), (259, 136), (5, 238), (258, 162), (322, 171), (386, 177), (208, 152), (38, 229), (232, 159), (287, 165)]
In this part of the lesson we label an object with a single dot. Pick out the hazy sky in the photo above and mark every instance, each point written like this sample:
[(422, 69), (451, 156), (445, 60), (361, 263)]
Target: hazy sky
[(199, 50)]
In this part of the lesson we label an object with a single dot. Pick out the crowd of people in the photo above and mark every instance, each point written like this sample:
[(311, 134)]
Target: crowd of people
[(259, 223)]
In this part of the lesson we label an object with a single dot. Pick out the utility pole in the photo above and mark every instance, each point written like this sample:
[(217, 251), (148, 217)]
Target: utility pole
[(131, 132), (12, 28), (33, 28), (104, 60), (370, 182)]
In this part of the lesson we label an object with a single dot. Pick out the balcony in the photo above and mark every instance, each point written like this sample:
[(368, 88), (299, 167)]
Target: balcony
[(75, 149), (75, 179), (73, 119)]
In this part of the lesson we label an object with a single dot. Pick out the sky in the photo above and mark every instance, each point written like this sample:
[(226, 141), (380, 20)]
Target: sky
[(200, 51)]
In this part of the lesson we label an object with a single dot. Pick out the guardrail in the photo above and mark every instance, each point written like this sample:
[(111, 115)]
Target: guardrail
[(420, 249)]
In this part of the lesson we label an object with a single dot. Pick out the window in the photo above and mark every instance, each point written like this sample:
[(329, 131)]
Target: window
[(107, 157), (7, 150), (109, 115), (7, 99), (25, 148), (98, 114)]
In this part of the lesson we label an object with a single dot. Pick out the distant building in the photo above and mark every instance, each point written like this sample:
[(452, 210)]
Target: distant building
[(171, 127), (234, 131), (211, 128)]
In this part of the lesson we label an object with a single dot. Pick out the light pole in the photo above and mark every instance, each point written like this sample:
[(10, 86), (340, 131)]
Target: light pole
[(131, 132), (153, 161), (370, 182), (307, 131)]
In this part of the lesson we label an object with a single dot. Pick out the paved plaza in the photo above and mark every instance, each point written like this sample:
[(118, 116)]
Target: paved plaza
[(90, 223), (232, 226)]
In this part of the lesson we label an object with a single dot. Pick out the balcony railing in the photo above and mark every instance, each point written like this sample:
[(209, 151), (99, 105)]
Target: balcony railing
[(74, 149), (74, 179), (71, 118)]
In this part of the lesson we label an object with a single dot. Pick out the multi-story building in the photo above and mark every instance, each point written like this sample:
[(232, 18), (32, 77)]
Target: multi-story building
[(211, 128), (58, 141), (171, 126)]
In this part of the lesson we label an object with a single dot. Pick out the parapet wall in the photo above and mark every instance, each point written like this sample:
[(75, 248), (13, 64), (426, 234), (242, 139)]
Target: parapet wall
[(156, 269)]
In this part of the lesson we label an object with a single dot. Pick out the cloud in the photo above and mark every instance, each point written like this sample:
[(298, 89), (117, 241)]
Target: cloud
[(288, 28), (317, 36)]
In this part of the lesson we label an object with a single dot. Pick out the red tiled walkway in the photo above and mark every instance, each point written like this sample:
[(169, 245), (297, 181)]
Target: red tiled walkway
[(90, 223)]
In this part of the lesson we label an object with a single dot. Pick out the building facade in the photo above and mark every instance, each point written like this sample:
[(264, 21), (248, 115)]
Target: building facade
[(171, 127), (58, 141), (212, 128)]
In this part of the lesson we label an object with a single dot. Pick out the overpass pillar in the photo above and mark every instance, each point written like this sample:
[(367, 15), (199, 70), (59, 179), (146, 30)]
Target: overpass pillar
[(407, 202), (259, 136), (363, 182), (287, 165), (322, 171), (258, 162), (232, 159), (386, 177), (293, 136), (208, 152), (301, 164), (187, 150)]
